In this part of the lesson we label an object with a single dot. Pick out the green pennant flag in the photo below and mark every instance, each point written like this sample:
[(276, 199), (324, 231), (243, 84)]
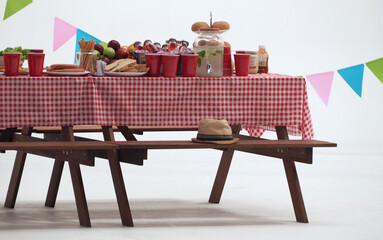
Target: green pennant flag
[(376, 67), (13, 6)]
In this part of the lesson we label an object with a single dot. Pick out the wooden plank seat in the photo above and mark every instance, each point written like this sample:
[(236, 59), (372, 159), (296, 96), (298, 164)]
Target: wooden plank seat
[(241, 144), (134, 129), (57, 145), (294, 150)]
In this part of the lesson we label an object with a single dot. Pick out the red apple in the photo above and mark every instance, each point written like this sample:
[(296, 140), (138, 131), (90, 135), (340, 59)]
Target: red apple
[(105, 59), (114, 44), (121, 53), (99, 48)]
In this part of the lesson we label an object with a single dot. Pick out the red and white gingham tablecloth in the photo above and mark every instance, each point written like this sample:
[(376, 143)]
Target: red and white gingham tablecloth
[(258, 102)]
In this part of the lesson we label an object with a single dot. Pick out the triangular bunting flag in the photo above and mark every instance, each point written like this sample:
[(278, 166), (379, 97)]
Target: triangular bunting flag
[(62, 32), (81, 34), (322, 83), (13, 6), (376, 68), (353, 77)]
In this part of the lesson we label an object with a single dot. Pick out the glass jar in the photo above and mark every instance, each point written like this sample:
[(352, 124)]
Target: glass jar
[(209, 47), (87, 61), (253, 65)]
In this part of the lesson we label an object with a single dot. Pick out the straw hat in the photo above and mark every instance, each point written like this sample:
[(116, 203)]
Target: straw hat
[(214, 131)]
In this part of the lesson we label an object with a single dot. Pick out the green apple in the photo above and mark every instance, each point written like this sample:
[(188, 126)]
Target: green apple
[(98, 54), (109, 52)]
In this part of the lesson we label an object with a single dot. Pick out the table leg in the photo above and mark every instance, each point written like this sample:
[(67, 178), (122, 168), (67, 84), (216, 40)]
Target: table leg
[(17, 172), (78, 186), (118, 180), (293, 182), (222, 172)]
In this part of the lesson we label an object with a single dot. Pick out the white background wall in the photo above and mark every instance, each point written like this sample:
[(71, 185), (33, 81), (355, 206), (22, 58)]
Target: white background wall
[(302, 37)]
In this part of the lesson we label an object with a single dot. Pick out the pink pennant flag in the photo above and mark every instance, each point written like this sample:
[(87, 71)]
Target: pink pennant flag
[(62, 32), (322, 83)]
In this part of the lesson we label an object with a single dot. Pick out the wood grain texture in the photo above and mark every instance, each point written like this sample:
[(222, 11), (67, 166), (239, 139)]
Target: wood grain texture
[(118, 180), (17, 173), (293, 181)]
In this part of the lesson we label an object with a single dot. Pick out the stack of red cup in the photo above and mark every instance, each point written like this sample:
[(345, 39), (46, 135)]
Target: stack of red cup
[(227, 68)]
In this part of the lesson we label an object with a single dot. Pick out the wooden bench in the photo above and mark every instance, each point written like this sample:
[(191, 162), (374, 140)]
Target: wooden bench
[(290, 151), (57, 145), (287, 150), (241, 144), (134, 129), (295, 150)]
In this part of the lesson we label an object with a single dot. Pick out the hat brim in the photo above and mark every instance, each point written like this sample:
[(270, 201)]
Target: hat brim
[(224, 142)]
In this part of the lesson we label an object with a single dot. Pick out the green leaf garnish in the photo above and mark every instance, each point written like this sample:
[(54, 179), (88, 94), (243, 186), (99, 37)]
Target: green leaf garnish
[(24, 52), (202, 53)]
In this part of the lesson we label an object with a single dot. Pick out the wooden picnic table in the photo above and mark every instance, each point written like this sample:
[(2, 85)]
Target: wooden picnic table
[(61, 106)]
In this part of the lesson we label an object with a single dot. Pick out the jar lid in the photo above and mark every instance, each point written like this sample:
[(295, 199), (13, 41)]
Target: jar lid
[(251, 52), (209, 29), (262, 47)]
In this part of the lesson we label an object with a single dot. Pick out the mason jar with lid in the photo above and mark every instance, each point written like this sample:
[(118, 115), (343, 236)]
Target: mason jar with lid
[(209, 47)]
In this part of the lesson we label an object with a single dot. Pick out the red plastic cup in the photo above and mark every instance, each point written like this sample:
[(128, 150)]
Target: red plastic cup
[(227, 69), (37, 50), (36, 64), (189, 64), (11, 63), (153, 61), (169, 65), (226, 57), (242, 62), (240, 52)]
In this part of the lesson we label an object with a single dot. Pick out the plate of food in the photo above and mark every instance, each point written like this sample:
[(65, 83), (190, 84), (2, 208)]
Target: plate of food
[(22, 71), (65, 70), (53, 73), (126, 68), (125, 74)]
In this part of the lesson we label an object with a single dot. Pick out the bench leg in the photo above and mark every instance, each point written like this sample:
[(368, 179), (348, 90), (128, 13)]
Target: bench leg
[(79, 193), (17, 172), (222, 172), (78, 186), (118, 180), (293, 182), (54, 184)]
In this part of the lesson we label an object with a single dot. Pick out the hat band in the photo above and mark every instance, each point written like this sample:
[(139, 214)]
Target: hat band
[(214, 137)]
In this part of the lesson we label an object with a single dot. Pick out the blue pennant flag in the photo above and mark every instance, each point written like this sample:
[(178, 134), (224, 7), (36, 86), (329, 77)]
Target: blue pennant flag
[(81, 34), (353, 77)]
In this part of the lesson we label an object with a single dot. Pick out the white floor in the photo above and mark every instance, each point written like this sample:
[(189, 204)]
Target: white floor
[(168, 197)]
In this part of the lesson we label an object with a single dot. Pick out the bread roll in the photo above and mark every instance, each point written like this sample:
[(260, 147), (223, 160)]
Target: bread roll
[(222, 25), (198, 25), (227, 44)]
